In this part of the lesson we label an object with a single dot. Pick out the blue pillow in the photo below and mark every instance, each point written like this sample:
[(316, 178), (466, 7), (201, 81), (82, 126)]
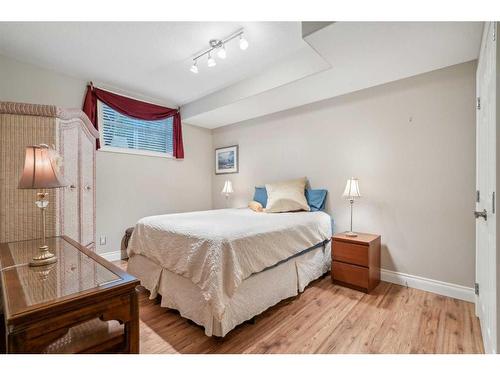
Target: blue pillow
[(316, 199), (260, 196)]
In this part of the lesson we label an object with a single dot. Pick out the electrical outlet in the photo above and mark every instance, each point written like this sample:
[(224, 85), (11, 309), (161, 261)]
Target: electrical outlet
[(102, 240)]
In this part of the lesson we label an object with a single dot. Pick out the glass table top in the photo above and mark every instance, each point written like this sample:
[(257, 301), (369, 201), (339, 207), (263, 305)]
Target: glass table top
[(74, 272)]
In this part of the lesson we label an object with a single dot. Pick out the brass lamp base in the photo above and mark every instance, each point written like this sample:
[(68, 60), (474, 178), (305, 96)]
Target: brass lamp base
[(45, 257), (351, 234)]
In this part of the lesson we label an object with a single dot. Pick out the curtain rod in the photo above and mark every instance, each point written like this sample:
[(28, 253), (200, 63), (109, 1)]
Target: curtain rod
[(91, 84)]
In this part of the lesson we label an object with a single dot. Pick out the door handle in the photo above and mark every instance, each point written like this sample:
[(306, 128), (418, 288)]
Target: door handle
[(482, 214)]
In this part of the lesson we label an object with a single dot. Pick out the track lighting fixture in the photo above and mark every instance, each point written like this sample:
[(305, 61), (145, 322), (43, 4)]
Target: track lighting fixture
[(218, 46)]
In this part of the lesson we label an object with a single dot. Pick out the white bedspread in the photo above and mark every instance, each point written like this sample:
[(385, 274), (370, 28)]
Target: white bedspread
[(218, 249)]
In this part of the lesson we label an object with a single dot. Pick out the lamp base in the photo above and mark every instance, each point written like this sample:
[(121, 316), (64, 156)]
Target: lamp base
[(45, 257), (44, 272), (351, 234)]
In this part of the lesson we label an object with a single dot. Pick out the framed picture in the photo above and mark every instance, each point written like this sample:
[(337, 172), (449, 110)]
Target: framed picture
[(226, 160)]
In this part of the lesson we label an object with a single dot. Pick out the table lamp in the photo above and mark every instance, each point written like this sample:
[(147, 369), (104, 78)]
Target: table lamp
[(41, 172), (227, 190), (351, 192)]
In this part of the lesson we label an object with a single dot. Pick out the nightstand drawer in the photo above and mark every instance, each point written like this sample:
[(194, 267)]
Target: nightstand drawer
[(350, 253), (350, 274)]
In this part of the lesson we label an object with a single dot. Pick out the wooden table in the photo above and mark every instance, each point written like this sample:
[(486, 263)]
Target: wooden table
[(356, 261), (81, 304)]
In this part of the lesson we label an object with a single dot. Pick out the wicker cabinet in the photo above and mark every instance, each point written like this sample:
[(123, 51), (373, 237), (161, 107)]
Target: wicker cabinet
[(72, 209)]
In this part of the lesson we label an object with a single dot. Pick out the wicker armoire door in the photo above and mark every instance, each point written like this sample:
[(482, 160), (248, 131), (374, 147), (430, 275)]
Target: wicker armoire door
[(87, 191), (78, 199), (70, 197)]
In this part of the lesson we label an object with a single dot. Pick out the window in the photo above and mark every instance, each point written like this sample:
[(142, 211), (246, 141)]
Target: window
[(122, 133)]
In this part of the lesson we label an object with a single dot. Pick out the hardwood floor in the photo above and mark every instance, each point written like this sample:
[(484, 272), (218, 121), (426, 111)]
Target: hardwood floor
[(327, 318)]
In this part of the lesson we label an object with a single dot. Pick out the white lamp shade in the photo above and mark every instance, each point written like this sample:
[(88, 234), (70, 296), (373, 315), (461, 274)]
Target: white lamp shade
[(222, 52), (243, 43), (228, 188), (211, 61), (352, 189)]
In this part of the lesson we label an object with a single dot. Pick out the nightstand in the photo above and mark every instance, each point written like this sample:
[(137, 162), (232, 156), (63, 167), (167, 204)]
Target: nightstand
[(356, 261)]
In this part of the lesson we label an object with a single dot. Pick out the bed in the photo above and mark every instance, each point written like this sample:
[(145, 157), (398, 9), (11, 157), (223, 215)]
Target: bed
[(220, 268)]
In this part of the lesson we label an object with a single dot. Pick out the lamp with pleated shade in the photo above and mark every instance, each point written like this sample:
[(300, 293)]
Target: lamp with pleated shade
[(227, 190), (41, 172), (351, 192)]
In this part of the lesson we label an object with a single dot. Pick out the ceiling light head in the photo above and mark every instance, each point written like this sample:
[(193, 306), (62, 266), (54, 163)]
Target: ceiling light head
[(194, 67), (222, 52), (243, 43), (211, 61)]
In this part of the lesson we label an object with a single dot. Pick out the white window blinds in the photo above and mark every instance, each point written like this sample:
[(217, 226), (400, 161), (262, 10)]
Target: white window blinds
[(120, 131)]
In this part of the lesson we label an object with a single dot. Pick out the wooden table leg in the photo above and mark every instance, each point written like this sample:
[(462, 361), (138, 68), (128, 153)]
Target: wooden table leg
[(3, 335), (3, 331), (132, 327)]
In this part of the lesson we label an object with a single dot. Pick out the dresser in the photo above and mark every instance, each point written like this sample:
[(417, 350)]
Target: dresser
[(72, 209), (356, 261), (80, 304)]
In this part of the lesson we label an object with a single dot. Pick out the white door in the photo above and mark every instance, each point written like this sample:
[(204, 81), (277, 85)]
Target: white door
[(485, 184)]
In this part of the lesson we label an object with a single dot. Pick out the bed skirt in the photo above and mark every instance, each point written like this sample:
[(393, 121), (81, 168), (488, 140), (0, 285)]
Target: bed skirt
[(255, 295)]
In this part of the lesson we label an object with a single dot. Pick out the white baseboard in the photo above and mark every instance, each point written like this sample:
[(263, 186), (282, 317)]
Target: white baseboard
[(111, 255), (429, 285), (404, 279)]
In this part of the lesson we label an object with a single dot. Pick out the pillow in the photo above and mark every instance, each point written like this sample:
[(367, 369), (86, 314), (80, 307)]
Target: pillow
[(260, 196), (316, 199), (287, 196), (256, 206)]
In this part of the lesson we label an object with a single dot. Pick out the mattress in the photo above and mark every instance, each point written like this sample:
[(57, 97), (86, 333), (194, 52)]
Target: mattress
[(217, 250)]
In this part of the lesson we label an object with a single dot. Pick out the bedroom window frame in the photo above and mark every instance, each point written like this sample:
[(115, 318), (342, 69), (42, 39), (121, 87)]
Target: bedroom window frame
[(122, 150)]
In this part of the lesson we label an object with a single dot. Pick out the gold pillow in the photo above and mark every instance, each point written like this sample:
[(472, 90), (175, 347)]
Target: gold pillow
[(286, 196), (256, 206)]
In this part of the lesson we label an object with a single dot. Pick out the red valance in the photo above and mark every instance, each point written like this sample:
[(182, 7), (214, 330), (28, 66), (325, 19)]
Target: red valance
[(133, 108)]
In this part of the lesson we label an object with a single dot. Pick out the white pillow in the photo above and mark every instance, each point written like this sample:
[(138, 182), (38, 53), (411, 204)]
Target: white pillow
[(256, 206), (287, 196)]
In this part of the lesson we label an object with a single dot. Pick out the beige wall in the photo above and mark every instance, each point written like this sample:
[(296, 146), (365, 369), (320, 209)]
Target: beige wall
[(412, 145), (128, 186), (20, 82), (131, 186)]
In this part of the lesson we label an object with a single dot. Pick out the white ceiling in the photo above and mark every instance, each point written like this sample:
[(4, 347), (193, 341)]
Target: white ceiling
[(279, 70), (152, 58), (360, 55)]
